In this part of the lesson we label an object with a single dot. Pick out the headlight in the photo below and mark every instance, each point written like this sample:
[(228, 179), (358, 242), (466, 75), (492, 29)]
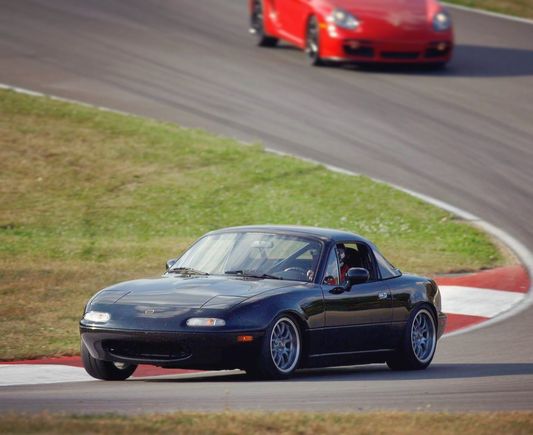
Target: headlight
[(442, 21), (205, 321), (97, 317), (344, 19)]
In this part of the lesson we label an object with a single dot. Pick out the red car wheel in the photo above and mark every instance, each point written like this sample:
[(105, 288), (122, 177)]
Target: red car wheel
[(257, 27)]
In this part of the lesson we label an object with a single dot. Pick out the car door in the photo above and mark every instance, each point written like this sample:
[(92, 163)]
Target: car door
[(359, 319), (292, 14)]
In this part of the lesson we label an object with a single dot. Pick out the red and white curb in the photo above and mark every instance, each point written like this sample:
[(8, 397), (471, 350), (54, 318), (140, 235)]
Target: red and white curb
[(22, 374), (472, 299), (468, 300), (64, 369)]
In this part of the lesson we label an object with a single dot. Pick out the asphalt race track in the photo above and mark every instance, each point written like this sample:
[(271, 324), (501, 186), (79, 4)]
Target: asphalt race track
[(463, 135)]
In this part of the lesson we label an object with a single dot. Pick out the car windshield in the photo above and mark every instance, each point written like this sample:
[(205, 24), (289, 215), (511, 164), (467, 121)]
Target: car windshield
[(253, 254)]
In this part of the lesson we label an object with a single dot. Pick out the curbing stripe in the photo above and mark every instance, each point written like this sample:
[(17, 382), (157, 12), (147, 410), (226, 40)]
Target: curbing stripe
[(479, 302), (16, 375), (507, 278), (459, 321), (522, 252)]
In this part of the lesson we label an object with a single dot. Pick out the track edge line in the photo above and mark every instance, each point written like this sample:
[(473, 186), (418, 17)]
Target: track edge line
[(488, 13)]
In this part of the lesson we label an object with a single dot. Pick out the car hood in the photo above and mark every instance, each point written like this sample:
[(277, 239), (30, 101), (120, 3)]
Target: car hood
[(387, 15), (190, 292), (382, 6)]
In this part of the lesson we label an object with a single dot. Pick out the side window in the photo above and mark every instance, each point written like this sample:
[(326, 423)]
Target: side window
[(356, 255), (331, 276)]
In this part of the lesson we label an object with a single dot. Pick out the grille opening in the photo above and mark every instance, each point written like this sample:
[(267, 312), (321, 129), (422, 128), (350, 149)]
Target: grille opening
[(141, 350), (433, 52), (399, 54), (362, 51)]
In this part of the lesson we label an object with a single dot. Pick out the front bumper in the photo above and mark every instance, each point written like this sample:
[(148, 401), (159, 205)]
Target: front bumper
[(194, 350), (359, 48)]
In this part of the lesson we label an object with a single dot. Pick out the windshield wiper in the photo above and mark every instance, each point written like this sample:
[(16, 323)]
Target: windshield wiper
[(250, 274), (187, 271)]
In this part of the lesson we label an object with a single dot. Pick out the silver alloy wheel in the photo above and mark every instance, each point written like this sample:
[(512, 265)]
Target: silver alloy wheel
[(423, 336), (285, 345)]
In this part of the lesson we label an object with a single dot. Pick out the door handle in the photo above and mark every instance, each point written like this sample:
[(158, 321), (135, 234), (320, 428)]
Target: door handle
[(337, 290), (382, 295)]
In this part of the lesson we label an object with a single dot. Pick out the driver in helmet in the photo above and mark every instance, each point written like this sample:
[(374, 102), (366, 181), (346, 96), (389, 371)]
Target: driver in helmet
[(343, 264), (348, 258)]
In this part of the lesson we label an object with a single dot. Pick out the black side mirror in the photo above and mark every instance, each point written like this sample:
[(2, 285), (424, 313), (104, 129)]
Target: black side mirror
[(171, 263), (354, 275), (357, 275)]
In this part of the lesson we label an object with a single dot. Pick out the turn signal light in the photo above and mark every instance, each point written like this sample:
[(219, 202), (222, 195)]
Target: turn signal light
[(205, 321), (245, 338)]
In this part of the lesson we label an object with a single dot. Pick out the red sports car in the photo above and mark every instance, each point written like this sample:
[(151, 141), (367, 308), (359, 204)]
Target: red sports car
[(389, 31)]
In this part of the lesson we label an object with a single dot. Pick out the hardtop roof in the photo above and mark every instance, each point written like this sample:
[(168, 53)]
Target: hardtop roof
[(322, 233)]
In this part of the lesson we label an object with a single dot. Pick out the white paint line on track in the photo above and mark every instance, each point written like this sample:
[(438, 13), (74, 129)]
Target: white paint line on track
[(66, 100), (28, 374), (198, 375), (481, 302), (488, 13), (523, 253)]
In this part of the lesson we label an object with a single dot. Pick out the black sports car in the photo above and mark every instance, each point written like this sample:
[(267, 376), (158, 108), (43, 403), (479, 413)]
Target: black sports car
[(269, 300)]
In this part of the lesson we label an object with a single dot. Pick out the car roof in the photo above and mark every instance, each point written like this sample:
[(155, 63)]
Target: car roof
[(321, 233)]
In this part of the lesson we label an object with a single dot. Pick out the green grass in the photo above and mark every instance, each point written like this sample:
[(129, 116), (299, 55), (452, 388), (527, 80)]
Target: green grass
[(376, 423), (88, 198), (518, 8)]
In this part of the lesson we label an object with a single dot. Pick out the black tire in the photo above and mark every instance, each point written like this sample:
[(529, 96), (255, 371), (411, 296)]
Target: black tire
[(281, 350), (312, 43), (419, 342), (105, 370), (257, 27)]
